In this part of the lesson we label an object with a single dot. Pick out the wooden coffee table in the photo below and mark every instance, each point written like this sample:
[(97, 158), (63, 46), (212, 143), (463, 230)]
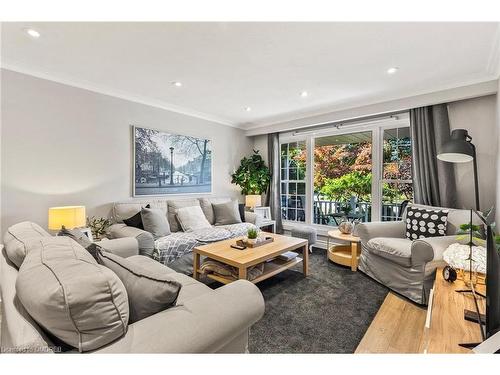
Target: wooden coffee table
[(243, 259)]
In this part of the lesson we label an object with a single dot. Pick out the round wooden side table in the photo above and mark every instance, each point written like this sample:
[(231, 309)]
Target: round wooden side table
[(346, 255)]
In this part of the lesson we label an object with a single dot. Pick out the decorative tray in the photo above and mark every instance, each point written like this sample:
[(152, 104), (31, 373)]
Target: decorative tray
[(265, 241)]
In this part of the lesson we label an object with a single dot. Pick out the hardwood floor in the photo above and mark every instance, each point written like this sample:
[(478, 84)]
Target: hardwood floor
[(397, 328)]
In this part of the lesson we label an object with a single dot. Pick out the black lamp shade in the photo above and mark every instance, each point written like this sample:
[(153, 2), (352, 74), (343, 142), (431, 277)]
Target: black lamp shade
[(458, 149)]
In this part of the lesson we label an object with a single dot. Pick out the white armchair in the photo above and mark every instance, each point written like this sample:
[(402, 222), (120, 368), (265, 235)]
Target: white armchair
[(405, 266)]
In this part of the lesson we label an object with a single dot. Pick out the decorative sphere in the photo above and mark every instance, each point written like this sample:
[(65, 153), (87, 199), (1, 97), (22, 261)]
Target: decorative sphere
[(346, 227)]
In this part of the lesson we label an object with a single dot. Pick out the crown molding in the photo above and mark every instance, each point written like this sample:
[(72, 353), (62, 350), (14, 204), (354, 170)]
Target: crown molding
[(100, 89), (402, 103)]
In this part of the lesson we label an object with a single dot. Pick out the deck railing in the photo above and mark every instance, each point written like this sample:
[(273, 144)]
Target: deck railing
[(390, 211)]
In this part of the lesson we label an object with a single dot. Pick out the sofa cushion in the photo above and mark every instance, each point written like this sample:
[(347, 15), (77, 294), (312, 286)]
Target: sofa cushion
[(67, 293), (226, 213), (155, 222), (240, 229), (241, 209), (150, 263), (173, 206), (192, 219), (397, 250), (425, 222), (19, 332), (149, 289), (208, 210), (80, 238), (136, 220), (18, 237), (190, 288)]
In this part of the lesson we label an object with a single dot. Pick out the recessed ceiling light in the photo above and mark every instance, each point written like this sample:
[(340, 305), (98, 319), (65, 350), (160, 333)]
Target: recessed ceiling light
[(177, 84), (304, 94), (392, 70), (248, 109), (32, 33)]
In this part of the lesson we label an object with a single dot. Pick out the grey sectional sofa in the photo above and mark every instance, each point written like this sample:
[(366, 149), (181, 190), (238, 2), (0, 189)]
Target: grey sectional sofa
[(175, 250), (405, 266), (202, 321)]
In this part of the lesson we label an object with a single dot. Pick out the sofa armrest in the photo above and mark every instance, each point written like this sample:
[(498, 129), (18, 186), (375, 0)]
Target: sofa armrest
[(203, 324), (430, 249), (124, 247), (253, 218), (144, 239), (367, 231)]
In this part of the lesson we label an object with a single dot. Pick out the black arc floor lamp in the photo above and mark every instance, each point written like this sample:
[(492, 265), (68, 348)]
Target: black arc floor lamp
[(460, 149)]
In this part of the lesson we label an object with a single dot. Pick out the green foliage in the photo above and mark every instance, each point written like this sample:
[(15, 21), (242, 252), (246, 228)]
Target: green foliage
[(98, 225), (253, 175), (478, 235), (341, 189), (252, 233)]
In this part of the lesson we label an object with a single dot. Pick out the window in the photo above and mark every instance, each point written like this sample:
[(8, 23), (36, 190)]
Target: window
[(360, 171), (293, 181), (397, 185), (342, 178)]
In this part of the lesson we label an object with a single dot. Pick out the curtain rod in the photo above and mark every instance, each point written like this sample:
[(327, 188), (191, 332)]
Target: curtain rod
[(351, 123)]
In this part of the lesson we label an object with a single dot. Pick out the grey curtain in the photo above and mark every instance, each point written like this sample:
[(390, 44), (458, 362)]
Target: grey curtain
[(433, 180), (273, 199)]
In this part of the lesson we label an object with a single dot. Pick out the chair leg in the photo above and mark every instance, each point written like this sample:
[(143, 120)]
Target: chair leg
[(310, 249)]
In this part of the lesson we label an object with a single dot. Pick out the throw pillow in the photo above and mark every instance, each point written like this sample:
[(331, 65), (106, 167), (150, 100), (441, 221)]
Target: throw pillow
[(424, 222), (136, 220), (81, 238), (173, 206), (149, 291), (17, 238), (70, 295), (241, 208), (192, 218), (226, 213), (155, 222)]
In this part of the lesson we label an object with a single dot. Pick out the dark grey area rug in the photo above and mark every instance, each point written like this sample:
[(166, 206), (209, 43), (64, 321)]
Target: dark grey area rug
[(327, 312)]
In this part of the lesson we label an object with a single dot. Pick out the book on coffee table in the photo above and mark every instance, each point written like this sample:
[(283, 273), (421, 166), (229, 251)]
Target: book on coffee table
[(289, 255)]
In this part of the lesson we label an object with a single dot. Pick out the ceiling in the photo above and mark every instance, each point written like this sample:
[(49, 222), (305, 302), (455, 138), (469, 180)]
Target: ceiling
[(226, 67)]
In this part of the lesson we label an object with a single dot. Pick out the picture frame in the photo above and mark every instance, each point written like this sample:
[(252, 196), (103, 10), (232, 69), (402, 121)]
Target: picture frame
[(166, 163), (263, 211)]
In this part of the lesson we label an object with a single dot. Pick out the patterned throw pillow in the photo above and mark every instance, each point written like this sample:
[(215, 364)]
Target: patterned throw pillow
[(423, 222)]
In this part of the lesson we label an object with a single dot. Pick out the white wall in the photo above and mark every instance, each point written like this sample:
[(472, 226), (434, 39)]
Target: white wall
[(478, 116), (62, 145), (260, 144)]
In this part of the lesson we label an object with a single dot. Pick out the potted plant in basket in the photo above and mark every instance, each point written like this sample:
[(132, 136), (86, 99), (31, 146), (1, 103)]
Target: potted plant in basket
[(252, 235)]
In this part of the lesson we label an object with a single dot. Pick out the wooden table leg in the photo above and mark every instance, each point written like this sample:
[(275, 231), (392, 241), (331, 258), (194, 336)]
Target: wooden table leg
[(305, 260), (354, 256), (196, 266), (242, 273)]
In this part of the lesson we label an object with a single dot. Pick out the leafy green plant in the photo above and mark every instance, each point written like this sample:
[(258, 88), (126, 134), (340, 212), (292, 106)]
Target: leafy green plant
[(341, 189), (252, 234), (478, 237), (478, 231), (252, 176), (98, 226)]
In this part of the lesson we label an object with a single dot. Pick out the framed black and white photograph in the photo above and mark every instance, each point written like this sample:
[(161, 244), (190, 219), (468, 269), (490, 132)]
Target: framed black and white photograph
[(166, 163)]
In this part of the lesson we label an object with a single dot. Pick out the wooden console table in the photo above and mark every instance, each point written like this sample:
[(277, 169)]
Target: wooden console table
[(445, 324), (401, 326)]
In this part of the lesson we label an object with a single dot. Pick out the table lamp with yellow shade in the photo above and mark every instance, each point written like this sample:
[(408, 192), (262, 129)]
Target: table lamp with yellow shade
[(69, 217), (253, 200)]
